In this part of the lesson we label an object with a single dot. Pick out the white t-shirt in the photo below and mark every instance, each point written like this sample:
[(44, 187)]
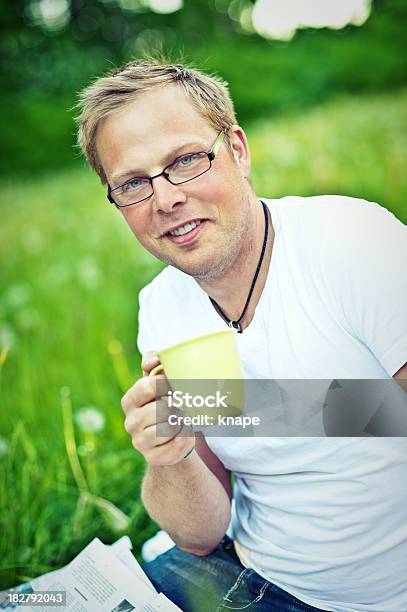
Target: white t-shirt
[(323, 518)]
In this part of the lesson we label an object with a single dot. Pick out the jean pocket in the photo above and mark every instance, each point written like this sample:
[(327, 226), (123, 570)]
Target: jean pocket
[(239, 597)]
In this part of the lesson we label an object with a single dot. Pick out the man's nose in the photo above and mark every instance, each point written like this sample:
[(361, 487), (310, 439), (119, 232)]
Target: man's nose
[(166, 195)]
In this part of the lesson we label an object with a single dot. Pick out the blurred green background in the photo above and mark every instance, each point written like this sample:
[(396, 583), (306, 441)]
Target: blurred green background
[(325, 109)]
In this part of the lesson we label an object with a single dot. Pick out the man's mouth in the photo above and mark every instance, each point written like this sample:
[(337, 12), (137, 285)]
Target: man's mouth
[(186, 233)]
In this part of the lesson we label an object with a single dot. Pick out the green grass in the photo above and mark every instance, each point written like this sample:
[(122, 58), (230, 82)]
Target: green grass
[(71, 272), (352, 146)]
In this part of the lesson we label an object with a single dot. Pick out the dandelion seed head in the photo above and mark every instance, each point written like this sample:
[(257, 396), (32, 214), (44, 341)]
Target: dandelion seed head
[(90, 419)]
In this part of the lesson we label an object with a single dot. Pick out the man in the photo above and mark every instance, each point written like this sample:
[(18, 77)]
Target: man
[(317, 290)]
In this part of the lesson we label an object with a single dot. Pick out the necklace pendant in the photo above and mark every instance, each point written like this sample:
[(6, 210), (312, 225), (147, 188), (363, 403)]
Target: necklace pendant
[(236, 326)]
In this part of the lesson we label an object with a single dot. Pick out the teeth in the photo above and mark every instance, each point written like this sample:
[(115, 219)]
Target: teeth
[(184, 229)]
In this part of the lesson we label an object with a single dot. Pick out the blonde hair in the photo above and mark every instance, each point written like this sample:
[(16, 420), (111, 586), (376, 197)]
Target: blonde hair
[(208, 93)]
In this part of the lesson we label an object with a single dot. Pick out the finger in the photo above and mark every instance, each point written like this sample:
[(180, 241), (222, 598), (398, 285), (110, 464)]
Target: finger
[(140, 394), (160, 434), (149, 361), (144, 439), (163, 386), (138, 419), (159, 437), (144, 391), (157, 415)]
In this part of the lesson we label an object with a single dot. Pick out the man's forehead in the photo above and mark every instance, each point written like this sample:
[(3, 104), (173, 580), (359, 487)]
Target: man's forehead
[(150, 130), (162, 109)]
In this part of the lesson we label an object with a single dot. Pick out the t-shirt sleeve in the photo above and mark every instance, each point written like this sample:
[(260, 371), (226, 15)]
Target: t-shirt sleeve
[(371, 253)]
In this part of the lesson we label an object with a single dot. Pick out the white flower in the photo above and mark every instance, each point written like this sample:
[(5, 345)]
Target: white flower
[(4, 447), (90, 419)]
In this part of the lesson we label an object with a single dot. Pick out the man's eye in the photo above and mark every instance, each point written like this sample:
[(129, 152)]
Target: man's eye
[(133, 184), (185, 161)]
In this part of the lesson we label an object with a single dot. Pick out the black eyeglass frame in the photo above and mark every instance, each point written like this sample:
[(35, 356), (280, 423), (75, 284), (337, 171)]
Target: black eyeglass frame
[(211, 154)]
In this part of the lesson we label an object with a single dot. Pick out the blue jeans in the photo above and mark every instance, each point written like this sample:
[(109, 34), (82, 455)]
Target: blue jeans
[(217, 582)]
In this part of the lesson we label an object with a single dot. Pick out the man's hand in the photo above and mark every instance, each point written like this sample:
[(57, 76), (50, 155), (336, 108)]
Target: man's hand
[(140, 407)]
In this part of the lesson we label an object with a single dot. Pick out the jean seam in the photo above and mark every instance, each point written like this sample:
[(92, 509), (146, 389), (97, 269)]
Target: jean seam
[(234, 587), (262, 592)]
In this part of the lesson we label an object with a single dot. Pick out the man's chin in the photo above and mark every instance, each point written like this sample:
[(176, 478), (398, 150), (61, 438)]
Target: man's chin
[(204, 262), (197, 265), (191, 261), (197, 270), (208, 270)]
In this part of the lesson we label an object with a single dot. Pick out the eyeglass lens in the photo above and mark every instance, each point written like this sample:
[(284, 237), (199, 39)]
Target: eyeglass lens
[(184, 169)]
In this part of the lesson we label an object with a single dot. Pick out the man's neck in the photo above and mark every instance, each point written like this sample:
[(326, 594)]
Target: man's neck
[(230, 291)]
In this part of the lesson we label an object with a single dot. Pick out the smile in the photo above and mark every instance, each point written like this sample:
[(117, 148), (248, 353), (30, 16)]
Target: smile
[(179, 231), (186, 233)]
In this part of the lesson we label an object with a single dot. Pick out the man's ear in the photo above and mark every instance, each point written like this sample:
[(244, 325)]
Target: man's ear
[(240, 149)]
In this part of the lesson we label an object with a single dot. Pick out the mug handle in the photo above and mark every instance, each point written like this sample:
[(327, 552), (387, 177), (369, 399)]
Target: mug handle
[(157, 370)]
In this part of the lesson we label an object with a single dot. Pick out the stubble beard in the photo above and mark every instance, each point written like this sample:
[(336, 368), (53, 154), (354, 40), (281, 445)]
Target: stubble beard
[(237, 242)]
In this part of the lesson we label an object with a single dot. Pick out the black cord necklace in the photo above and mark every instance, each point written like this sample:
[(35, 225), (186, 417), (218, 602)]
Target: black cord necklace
[(236, 324)]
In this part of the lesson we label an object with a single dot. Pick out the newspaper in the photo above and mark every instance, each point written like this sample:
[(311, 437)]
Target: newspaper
[(100, 579)]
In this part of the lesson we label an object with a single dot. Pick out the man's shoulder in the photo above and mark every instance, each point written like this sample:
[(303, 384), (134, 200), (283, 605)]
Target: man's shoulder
[(330, 215), (323, 205)]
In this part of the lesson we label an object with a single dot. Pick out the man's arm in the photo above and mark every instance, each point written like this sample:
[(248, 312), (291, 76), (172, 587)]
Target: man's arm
[(188, 497), (190, 500)]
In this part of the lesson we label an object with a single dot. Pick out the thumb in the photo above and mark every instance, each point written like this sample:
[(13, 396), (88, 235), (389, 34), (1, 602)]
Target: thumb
[(149, 361)]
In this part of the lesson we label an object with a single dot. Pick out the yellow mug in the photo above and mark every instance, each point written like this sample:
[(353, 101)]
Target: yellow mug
[(204, 366)]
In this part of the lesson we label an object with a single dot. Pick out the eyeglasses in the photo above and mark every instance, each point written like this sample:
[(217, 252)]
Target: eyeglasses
[(185, 168)]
